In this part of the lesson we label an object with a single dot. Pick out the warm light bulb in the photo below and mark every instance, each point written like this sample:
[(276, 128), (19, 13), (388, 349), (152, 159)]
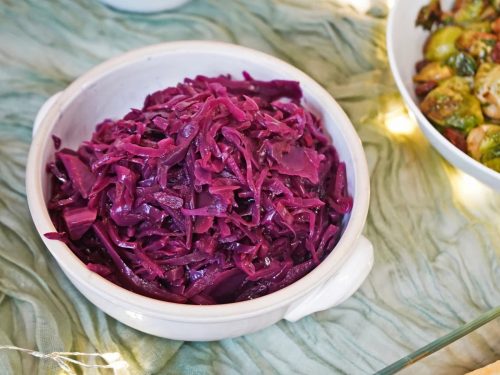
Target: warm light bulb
[(115, 361), (360, 5), (399, 122), (470, 191)]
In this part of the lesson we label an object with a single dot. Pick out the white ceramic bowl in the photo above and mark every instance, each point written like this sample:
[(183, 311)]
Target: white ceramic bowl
[(404, 46), (144, 6), (108, 91)]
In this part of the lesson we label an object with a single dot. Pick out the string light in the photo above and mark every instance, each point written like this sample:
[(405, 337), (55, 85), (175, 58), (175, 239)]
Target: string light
[(399, 122), (468, 190), (64, 359), (360, 5)]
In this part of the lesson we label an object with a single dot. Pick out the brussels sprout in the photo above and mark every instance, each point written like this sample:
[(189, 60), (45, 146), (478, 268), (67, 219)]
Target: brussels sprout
[(483, 144), (495, 4), (434, 71), (493, 164), (484, 26), (451, 104), (459, 84), (441, 44), (466, 11), (463, 63), (487, 89), (429, 14), (489, 14), (476, 43)]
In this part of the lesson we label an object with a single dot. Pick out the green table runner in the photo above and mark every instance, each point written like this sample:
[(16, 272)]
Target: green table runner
[(435, 232)]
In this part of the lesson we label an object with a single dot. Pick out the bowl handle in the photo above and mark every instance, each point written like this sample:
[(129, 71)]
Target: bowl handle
[(340, 287), (43, 111)]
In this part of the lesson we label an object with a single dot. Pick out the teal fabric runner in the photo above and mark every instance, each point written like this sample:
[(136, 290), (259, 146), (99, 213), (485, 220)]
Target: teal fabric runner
[(435, 232)]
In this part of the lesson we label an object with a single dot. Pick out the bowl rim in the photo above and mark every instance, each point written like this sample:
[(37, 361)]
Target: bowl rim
[(76, 270), (455, 156), (149, 6)]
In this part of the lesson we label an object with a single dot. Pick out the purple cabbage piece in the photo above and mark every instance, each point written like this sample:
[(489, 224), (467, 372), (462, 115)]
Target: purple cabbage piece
[(217, 191)]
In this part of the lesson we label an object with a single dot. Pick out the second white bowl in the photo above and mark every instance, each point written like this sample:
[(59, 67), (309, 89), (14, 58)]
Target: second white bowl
[(145, 6), (404, 46)]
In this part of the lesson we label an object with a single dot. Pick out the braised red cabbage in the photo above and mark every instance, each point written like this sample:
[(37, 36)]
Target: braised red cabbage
[(217, 191)]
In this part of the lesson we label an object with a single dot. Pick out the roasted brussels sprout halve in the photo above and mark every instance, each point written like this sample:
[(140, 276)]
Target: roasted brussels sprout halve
[(487, 89), (463, 63), (466, 11), (429, 15), (458, 80), (476, 43), (483, 144), (441, 44), (434, 71), (452, 105)]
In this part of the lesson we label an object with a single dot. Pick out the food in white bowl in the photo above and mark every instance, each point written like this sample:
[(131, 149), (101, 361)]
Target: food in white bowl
[(109, 91), (446, 77), (218, 190), (458, 77)]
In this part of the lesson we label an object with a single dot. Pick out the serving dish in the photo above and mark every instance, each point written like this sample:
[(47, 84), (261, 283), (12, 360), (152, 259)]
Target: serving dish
[(404, 47), (145, 6), (467, 348), (109, 91)]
